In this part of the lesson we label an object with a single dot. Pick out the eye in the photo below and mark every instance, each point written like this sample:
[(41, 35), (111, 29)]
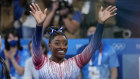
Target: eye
[(57, 44), (66, 44)]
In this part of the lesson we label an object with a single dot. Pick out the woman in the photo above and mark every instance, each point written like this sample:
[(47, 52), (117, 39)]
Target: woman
[(30, 72), (57, 67), (14, 55)]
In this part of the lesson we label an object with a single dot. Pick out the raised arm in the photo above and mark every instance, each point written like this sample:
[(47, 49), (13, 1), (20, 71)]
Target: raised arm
[(95, 41), (50, 15), (38, 58)]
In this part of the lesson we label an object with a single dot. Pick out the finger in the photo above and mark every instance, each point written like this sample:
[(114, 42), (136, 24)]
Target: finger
[(114, 14), (32, 9), (101, 9), (45, 11), (115, 9), (34, 6), (112, 8), (31, 13), (38, 8), (108, 7)]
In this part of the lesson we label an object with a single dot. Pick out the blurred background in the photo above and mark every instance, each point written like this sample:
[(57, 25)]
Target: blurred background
[(121, 32)]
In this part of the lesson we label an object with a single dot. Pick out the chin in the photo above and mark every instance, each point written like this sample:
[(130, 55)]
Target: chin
[(61, 56)]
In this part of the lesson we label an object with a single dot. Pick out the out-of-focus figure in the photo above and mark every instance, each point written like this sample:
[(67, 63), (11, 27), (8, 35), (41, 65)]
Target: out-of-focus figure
[(14, 55), (103, 64)]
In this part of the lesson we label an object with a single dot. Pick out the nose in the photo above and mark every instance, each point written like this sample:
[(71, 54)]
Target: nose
[(62, 46)]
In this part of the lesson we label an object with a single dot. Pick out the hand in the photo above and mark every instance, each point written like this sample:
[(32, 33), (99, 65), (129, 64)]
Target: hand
[(6, 53), (55, 6), (9, 55), (12, 55), (107, 13), (37, 13)]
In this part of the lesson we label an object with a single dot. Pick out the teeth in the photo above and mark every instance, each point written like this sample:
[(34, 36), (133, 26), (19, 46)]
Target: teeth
[(61, 51)]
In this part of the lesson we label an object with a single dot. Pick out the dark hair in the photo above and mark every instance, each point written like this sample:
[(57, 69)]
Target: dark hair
[(55, 33), (5, 72), (43, 45), (15, 34)]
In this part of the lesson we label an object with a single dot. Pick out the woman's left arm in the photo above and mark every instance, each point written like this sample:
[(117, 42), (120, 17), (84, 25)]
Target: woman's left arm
[(95, 41)]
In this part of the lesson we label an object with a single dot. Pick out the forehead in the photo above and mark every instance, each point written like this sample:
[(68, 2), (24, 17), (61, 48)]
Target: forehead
[(12, 35), (60, 38)]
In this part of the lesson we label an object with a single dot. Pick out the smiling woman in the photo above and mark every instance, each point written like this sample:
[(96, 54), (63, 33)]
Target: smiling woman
[(58, 43), (57, 67)]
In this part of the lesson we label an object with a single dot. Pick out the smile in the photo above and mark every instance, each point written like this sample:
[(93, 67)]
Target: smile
[(61, 51)]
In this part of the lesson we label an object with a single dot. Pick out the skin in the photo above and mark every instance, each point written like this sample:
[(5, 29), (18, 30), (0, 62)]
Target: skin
[(40, 17), (10, 56), (114, 73), (59, 43)]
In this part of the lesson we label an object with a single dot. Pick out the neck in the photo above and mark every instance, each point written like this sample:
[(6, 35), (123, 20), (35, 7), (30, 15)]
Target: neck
[(13, 49), (57, 60)]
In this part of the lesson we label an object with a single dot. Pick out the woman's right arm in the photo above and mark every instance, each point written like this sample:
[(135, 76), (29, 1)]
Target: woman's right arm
[(37, 57)]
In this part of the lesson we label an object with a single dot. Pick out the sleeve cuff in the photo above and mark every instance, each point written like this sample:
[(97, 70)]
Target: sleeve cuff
[(100, 24), (39, 27)]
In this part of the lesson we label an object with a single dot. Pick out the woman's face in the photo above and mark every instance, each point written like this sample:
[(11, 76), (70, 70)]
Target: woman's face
[(59, 46), (11, 37)]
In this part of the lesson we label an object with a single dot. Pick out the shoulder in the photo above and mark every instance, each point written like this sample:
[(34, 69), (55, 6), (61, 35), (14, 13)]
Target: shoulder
[(77, 16), (77, 13)]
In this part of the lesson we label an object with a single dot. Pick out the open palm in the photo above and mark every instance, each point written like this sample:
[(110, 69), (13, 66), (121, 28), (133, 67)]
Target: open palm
[(38, 14), (107, 13)]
